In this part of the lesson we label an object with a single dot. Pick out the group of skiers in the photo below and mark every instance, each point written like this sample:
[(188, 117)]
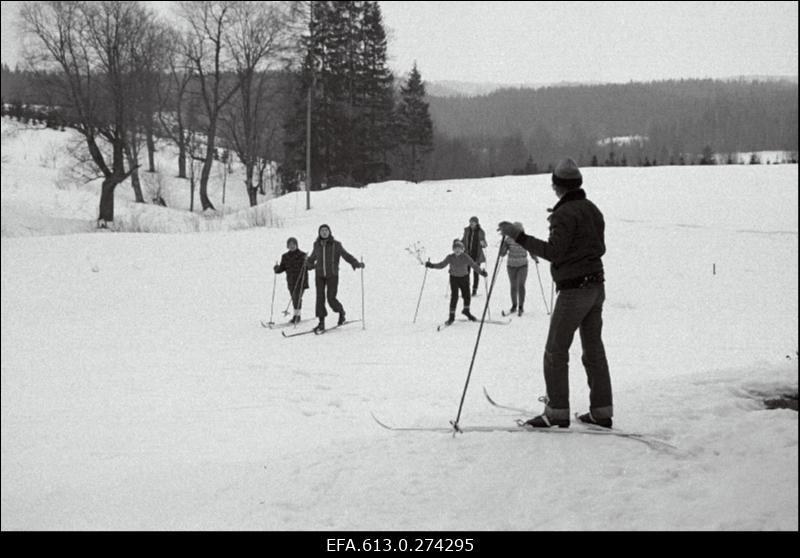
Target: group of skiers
[(468, 253), (574, 249), (324, 260)]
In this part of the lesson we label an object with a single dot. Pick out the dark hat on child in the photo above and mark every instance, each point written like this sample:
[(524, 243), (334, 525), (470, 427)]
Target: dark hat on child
[(457, 243), (567, 174), (474, 219), (291, 240), (319, 230)]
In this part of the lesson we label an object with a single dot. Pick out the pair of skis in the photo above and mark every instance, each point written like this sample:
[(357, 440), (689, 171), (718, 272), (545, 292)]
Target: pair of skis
[(284, 325), (576, 428), (506, 313), (443, 325), (314, 330)]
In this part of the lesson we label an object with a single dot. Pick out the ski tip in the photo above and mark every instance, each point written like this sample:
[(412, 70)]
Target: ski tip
[(376, 419), (488, 397)]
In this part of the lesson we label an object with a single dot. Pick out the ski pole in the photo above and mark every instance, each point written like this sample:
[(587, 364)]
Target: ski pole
[(420, 294), (477, 341), (272, 304), (486, 290), (363, 318), (552, 293), (541, 288)]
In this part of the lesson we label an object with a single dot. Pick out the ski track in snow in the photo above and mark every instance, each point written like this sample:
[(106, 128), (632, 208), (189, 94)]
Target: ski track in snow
[(139, 390)]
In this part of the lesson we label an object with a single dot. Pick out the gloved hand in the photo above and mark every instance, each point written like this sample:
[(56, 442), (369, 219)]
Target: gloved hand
[(508, 229), (358, 265), (484, 273), (276, 269), (428, 264)]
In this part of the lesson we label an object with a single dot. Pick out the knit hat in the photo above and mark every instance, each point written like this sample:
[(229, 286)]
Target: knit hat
[(324, 227), (291, 240), (457, 243), (474, 219), (567, 174)]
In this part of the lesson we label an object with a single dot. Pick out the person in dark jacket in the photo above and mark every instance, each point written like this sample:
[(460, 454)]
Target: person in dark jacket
[(460, 264), (517, 265), (324, 259), (293, 263), (574, 249), (474, 240)]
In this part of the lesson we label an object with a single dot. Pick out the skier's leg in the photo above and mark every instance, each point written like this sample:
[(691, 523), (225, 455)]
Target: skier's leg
[(321, 311), (522, 277), (570, 309), (512, 280), (594, 357)]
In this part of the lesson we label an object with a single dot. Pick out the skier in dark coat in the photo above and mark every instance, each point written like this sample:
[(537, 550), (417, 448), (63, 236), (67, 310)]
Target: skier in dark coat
[(460, 264), (574, 250), (474, 240), (293, 263), (324, 259)]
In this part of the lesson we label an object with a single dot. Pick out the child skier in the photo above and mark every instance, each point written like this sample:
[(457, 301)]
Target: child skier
[(460, 264), (293, 263)]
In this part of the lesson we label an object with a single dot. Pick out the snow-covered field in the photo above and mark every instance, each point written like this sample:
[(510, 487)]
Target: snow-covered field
[(140, 392)]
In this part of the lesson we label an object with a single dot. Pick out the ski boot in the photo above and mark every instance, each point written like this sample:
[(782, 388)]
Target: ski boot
[(589, 419)]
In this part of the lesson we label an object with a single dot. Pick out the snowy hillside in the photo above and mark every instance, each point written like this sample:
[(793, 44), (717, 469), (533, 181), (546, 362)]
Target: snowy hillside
[(140, 392), (46, 192)]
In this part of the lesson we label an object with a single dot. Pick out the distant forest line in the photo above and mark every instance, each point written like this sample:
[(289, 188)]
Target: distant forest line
[(525, 131), (667, 122)]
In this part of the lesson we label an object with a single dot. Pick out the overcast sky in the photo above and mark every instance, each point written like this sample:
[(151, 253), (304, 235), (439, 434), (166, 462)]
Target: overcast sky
[(545, 42)]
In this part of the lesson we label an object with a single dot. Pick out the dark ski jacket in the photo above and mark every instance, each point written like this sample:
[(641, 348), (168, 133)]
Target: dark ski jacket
[(577, 238), (325, 256), (293, 263), (474, 242)]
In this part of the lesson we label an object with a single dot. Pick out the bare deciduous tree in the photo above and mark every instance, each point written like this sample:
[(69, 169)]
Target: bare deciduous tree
[(173, 92), (209, 54), (259, 39), (91, 45)]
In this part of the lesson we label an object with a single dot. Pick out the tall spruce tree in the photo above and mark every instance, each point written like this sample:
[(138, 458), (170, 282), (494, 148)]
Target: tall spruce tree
[(345, 64), (376, 127), (416, 127)]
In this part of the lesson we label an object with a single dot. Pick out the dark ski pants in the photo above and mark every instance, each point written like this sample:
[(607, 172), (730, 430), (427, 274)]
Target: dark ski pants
[(331, 285), (517, 277), (582, 310), (459, 284)]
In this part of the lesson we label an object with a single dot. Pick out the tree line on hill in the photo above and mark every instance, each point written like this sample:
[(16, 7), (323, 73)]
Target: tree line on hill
[(524, 131)]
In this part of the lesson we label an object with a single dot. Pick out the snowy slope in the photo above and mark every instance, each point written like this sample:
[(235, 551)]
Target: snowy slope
[(140, 392)]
